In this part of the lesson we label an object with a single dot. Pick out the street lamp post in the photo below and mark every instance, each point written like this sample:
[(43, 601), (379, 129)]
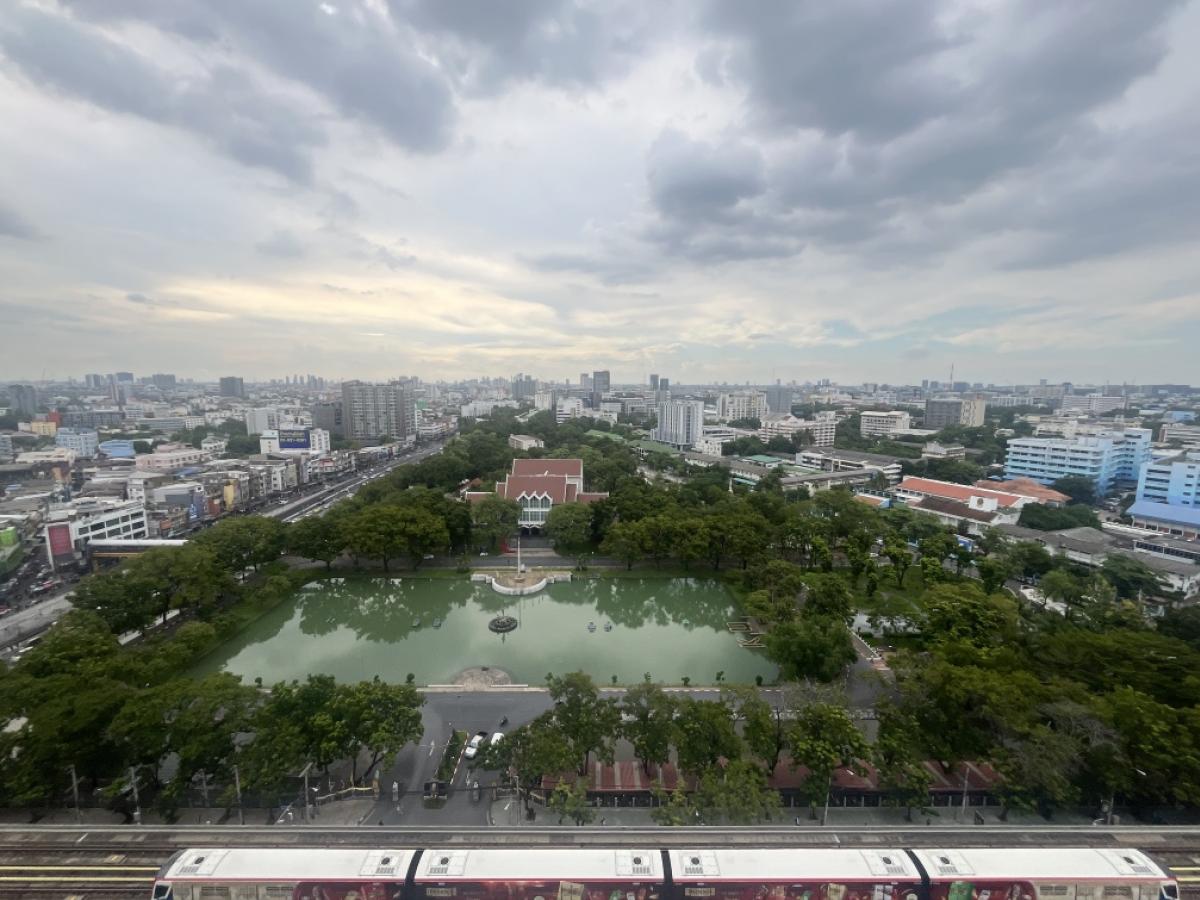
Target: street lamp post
[(75, 794), (137, 803), (828, 792), (237, 784)]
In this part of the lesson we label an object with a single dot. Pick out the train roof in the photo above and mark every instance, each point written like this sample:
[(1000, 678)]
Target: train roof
[(459, 864), (1074, 863), (789, 864), (289, 864)]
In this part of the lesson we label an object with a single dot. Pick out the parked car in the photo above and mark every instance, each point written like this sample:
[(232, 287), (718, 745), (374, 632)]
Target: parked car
[(474, 744)]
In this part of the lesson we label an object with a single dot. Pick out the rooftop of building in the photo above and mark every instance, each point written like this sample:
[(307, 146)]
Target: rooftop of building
[(1165, 512), (1026, 487), (953, 508), (960, 493), (572, 468), (875, 459)]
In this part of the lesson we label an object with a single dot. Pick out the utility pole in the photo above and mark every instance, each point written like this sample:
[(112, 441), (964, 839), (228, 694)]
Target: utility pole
[(204, 787), (966, 775), (75, 794), (237, 785), (137, 803), (307, 808)]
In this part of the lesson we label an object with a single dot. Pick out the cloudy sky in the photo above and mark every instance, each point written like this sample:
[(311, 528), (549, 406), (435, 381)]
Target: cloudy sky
[(711, 190)]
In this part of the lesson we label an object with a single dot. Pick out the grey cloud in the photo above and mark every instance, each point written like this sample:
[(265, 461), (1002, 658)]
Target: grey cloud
[(282, 244), (560, 42), (14, 225), (225, 108), (878, 146), (352, 57), (691, 178), (850, 66)]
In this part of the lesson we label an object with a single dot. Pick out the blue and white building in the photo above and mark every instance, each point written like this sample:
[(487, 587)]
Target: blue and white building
[(1106, 459), (1168, 495), (85, 443)]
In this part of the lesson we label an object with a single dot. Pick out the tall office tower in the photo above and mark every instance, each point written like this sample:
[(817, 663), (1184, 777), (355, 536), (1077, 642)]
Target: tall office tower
[(376, 410), (163, 382), (585, 382), (779, 398), (654, 382), (124, 376), (233, 386), (24, 398), (600, 387)]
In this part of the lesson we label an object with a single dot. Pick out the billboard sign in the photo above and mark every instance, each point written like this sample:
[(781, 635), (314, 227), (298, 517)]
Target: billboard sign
[(59, 539), (294, 439)]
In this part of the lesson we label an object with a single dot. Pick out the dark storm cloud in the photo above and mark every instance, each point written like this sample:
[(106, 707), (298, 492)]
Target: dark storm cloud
[(570, 43), (224, 107), (850, 66), (345, 52), (870, 134), (13, 225)]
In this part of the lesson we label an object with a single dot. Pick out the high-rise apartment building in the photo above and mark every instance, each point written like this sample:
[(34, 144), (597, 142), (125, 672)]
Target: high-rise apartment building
[(1174, 480), (585, 382), (233, 386), (780, 398), (80, 440), (376, 410), (24, 399), (600, 386), (680, 423), (163, 381), (260, 419), (1105, 459), (654, 382), (523, 387), (943, 412), (742, 405), (328, 416)]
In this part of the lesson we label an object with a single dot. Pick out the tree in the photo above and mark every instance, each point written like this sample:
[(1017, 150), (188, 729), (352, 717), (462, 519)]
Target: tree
[(625, 541), (244, 542), (570, 527), (735, 794), (588, 722), (828, 595), (421, 533), (823, 739), (529, 753), (570, 800), (704, 733), (495, 518), (378, 717), (377, 532), (1028, 558), (962, 612), (898, 554), (763, 727), (1182, 623), (898, 755), (1047, 518), (1079, 489), (1061, 585), (993, 572), (1131, 577), (811, 647), (647, 722), (317, 537)]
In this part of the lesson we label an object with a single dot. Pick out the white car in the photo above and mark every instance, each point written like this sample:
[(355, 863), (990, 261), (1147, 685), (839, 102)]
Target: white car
[(474, 744)]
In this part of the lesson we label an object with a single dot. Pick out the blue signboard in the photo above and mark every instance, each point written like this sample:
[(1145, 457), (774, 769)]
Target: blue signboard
[(294, 439)]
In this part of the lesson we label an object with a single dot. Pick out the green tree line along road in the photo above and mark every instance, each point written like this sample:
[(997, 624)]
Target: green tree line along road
[(1071, 708)]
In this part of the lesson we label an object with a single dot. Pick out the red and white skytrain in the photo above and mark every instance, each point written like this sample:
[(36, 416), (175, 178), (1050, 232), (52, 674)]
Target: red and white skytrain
[(705, 874)]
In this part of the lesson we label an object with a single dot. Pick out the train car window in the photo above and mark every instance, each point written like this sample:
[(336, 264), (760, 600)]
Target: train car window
[(276, 891), (213, 892), (1085, 891), (1057, 891), (1117, 891), (245, 892)]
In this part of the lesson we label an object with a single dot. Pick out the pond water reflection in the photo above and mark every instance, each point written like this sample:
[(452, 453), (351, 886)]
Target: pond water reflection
[(436, 627)]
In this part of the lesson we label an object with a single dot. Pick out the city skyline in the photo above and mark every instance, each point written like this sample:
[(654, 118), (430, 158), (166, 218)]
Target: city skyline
[(716, 191)]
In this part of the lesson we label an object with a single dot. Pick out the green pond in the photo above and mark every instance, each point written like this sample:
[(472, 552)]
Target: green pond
[(359, 628)]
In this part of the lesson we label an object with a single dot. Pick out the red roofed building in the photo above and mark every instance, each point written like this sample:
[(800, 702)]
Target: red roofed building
[(1027, 487), (538, 485), (968, 508)]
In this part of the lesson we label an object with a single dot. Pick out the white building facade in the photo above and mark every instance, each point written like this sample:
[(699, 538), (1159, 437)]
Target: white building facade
[(680, 423), (1105, 460), (85, 443), (872, 422), (741, 405)]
